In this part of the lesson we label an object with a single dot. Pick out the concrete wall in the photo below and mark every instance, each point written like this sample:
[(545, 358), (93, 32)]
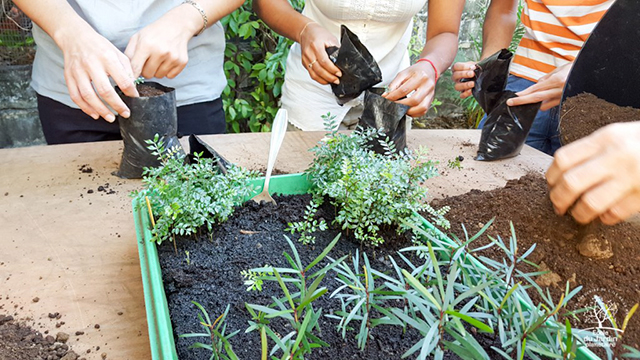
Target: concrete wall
[(19, 121)]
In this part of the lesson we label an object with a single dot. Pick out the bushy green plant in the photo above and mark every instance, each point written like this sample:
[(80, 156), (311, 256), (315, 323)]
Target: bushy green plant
[(215, 332), (253, 279), (369, 190), (184, 197), (296, 308), (255, 58), (308, 226)]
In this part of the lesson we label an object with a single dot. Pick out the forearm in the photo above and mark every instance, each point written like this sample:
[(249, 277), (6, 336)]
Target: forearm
[(280, 16), (56, 17), (499, 26), (441, 50), (191, 18)]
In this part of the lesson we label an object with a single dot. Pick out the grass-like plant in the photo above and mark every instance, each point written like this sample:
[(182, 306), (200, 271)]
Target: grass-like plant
[(295, 307), (215, 332), (187, 196), (369, 190)]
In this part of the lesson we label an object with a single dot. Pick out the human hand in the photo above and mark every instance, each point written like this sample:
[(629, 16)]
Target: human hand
[(89, 60), (463, 71), (548, 90), (418, 82), (161, 48), (314, 40), (598, 175)]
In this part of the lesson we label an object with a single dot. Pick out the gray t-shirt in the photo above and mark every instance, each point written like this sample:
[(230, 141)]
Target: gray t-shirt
[(202, 79)]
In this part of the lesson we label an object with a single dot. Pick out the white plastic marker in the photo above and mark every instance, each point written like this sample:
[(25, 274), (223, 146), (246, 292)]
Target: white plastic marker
[(278, 129)]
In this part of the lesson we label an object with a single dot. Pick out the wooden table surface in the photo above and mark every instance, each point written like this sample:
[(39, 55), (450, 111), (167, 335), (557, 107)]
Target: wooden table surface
[(67, 237)]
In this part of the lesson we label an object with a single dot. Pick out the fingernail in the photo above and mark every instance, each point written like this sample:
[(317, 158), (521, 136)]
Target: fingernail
[(337, 82), (110, 118), (126, 114), (339, 74), (95, 116), (510, 102)]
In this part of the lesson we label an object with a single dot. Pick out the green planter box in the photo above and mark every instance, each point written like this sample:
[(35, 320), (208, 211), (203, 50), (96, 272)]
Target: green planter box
[(158, 319)]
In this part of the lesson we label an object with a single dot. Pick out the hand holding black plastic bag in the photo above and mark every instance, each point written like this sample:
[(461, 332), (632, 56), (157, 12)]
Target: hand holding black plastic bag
[(149, 116), (360, 70), (380, 113), (506, 127)]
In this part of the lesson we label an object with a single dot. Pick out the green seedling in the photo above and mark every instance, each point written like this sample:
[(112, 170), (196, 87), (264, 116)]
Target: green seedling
[(215, 332), (253, 279)]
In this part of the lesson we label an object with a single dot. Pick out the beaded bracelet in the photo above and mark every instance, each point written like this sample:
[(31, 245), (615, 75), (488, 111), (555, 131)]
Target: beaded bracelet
[(432, 65), (205, 20)]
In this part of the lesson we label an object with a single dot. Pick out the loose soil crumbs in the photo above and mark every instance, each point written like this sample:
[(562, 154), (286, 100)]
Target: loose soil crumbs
[(585, 113), (21, 342), (526, 203)]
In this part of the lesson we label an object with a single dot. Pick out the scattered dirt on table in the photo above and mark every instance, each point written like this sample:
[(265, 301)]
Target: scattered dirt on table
[(252, 238), (274, 172), (585, 113), (149, 91), (86, 169), (19, 341), (526, 203)]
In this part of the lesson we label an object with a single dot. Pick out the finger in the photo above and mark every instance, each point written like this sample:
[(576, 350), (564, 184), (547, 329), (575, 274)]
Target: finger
[(570, 156), (417, 98), (107, 93), (532, 98), (176, 70), (459, 75), (466, 94), (327, 64), (130, 53), (323, 70), (623, 210), (598, 200), (74, 93), (462, 66), (550, 104), (89, 95), (464, 86), (575, 181), (139, 62), (405, 87), (122, 74)]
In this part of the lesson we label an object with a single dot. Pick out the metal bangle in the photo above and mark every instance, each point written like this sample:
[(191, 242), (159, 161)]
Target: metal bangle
[(205, 20)]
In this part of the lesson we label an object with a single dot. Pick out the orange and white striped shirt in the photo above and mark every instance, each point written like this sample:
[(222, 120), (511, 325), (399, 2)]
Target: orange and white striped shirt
[(555, 31)]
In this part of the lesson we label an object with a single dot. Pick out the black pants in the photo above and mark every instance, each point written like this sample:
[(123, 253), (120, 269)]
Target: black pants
[(62, 124)]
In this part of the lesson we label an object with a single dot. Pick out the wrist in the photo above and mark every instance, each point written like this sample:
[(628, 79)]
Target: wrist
[(192, 17), (429, 64), (305, 29)]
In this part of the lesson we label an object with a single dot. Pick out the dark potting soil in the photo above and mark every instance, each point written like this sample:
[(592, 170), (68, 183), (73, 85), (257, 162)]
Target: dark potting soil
[(526, 203), (149, 91), (585, 113), (21, 342), (254, 237)]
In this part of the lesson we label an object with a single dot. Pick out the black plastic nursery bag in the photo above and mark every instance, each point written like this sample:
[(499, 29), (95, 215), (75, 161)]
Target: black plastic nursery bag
[(506, 127), (150, 115), (360, 70), (380, 113)]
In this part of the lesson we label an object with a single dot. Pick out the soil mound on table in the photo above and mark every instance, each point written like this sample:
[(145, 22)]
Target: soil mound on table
[(526, 203), (21, 342), (583, 114)]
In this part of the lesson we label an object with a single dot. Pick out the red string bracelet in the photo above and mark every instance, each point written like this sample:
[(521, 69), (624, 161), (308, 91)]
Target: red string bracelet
[(432, 65)]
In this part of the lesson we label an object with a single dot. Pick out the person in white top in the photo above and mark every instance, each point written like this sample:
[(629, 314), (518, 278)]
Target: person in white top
[(83, 44), (384, 27)]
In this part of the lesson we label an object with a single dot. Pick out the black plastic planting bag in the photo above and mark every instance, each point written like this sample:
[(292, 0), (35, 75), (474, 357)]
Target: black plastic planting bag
[(198, 146), (380, 113), (150, 115), (506, 127), (360, 70)]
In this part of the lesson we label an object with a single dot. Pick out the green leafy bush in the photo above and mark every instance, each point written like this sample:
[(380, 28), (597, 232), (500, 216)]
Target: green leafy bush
[(370, 190), (255, 59), (184, 197)]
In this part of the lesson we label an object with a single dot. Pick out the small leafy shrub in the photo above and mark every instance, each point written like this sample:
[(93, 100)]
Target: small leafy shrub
[(185, 197), (368, 189), (216, 333), (308, 226), (253, 279)]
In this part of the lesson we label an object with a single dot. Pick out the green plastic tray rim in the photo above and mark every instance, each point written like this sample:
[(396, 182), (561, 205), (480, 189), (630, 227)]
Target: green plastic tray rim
[(158, 319)]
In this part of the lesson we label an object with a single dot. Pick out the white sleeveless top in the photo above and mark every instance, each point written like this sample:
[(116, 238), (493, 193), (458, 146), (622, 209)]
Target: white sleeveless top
[(202, 79), (383, 26)]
